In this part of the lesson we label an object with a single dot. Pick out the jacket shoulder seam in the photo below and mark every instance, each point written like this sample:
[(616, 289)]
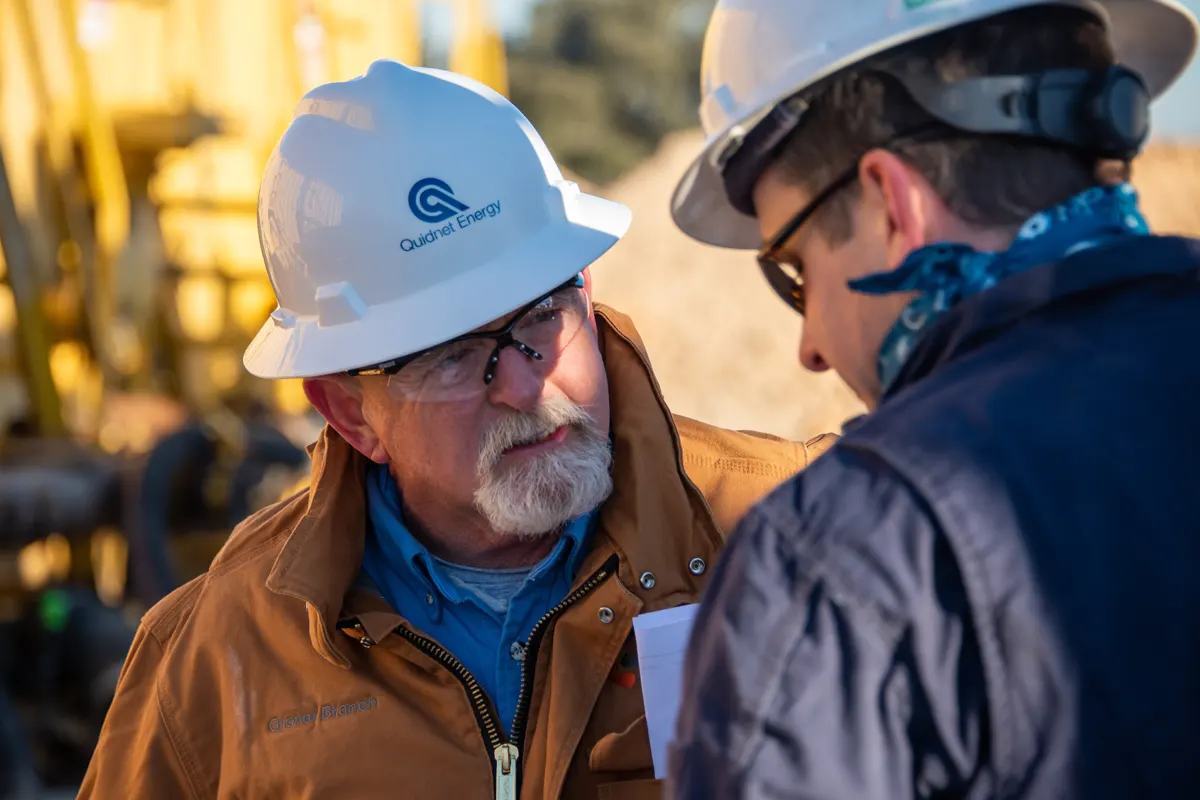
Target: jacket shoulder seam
[(163, 620), (752, 466), (285, 509), (186, 760), (250, 554)]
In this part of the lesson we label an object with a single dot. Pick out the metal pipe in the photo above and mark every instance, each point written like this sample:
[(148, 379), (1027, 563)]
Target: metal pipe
[(31, 323), (106, 179), (72, 189)]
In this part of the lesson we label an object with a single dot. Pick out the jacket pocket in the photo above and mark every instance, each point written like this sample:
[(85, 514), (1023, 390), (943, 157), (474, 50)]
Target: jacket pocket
[(649, 789), (626, 751), (624, 759)]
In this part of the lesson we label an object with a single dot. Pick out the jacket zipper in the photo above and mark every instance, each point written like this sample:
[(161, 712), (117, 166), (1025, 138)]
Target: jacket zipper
[(535, 640), (506, 750)]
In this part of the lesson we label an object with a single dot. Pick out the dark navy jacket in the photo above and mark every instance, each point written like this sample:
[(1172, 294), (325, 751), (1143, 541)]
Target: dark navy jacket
[(990, 587)]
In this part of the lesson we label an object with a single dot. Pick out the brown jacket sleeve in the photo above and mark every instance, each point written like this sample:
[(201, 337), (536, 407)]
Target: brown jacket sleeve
[(136, 756), (818, 445), (735, 469)]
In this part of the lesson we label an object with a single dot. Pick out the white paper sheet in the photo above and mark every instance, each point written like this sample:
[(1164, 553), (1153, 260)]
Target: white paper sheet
[(662, 638)]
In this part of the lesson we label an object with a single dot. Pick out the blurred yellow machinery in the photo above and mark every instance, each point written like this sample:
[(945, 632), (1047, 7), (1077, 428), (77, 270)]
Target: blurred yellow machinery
[(135, 133), (132, 137)]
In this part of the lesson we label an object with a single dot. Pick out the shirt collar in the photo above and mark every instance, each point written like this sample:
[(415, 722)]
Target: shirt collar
[(405, 556)]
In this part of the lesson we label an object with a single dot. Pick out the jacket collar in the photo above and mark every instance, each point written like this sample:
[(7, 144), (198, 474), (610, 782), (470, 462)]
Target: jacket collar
[(656, 520), (977, 318)]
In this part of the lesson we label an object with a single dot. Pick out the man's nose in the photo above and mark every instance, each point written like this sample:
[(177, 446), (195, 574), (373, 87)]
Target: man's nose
[(810, 356), (519, 380)]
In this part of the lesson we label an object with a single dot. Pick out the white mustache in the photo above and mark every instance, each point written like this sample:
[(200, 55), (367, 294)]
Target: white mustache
[(521, 428), (535, 497)]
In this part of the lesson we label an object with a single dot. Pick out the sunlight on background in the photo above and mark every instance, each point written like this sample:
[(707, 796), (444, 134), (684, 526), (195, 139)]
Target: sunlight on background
[(134, 136)]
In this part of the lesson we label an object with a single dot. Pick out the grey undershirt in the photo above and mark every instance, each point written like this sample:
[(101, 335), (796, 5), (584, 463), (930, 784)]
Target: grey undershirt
[(495, 588)]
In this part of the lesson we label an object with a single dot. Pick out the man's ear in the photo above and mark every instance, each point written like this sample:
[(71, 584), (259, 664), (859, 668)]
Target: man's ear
[(587, 287), (907, 200), (340, 402)]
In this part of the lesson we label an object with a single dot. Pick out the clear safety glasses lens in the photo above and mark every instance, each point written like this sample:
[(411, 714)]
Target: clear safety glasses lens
[(463, 368)]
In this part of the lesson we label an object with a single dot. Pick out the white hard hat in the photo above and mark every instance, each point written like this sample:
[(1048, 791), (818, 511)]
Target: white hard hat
[(405, 207), (758, 53)]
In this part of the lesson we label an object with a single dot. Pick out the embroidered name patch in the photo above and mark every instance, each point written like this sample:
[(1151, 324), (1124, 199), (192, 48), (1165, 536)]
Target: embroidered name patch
[(321, 713)]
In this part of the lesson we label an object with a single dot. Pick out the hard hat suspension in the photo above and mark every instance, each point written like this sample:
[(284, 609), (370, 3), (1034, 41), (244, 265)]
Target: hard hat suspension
[(1103, 115)]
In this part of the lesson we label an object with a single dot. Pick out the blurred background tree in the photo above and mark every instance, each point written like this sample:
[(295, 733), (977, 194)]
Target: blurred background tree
[(605, 80)]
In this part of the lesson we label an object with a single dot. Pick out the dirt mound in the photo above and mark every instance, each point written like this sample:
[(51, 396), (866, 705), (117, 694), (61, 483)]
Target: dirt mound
[(722, 345), (1168, 180)]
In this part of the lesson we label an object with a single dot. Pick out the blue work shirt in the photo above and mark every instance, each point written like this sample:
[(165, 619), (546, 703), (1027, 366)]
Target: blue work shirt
[(489, 644)]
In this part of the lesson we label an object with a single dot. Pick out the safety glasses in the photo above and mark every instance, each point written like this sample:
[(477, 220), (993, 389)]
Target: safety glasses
[(786, 278), (463, 367)]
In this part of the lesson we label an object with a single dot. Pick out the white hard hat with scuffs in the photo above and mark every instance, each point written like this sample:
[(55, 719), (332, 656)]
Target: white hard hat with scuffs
[(405, 207), (758, 53)]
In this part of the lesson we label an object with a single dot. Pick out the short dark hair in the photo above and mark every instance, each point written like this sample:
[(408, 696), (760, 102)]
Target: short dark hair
[(989, 181)]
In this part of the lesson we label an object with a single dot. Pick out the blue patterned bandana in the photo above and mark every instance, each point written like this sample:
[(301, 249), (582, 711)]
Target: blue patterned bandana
[(944, 274)]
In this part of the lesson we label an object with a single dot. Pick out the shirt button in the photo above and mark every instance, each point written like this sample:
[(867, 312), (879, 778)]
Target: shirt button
[(429, 598), (516, 651)]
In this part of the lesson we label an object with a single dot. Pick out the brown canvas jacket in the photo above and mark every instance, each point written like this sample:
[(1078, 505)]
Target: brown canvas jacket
[(271, 676)]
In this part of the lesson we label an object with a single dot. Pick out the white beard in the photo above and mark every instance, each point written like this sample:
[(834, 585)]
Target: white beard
[(537, 495)]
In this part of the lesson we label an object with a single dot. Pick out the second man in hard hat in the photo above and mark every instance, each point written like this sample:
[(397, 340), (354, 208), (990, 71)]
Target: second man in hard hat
[(988, 588), (447, 611)]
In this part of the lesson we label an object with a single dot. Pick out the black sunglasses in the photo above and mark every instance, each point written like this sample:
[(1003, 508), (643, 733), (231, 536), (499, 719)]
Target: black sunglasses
[(502, 336), (788, 279), (785, 278)]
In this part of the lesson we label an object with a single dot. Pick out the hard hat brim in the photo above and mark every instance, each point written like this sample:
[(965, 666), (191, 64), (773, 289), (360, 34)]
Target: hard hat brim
[(1156, 38), (513, 278)]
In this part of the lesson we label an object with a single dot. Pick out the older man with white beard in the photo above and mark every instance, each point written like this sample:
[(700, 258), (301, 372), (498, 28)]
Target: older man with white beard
[(447, 610)]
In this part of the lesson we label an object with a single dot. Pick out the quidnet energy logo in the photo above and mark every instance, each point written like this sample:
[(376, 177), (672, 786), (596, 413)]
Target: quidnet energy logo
[(431, 200)]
